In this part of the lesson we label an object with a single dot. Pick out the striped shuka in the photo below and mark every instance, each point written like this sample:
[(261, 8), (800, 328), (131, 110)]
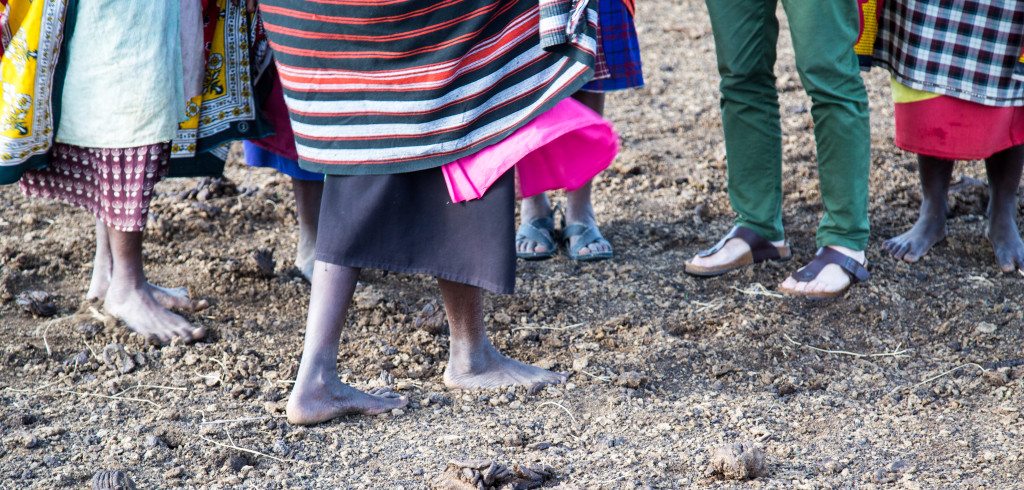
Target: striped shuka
[(394, 86)]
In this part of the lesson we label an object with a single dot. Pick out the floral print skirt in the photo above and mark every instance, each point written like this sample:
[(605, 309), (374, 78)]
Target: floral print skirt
[(114, 184)]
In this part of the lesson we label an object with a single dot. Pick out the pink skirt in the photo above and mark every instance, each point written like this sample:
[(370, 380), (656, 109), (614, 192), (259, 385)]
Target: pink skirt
[(954, 129), (114, 184), (564, 148)]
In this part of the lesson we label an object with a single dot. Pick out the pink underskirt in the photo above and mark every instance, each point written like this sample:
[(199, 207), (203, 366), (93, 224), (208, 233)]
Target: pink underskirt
[(954, 129), (564, 148)]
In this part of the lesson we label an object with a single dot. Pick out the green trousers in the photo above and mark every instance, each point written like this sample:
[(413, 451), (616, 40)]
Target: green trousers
[(824, 33)]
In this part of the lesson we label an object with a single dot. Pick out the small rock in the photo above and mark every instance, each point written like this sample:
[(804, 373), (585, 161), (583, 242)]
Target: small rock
[(89, 329), (28, 440), (631, 379), (116, 357), (740, 461), (986, 328), (112, 480), (235, 462), (580, 363)]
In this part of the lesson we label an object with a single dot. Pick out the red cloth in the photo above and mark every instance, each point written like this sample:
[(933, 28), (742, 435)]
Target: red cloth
[(954, 129), (282, 142)]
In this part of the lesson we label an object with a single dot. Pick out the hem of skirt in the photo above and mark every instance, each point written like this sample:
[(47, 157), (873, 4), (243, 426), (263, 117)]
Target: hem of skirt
[(11, 174), (950, 91), (101, 146), (595, 86), (427, 163), (928, 152), (96, 214), (360, 264)]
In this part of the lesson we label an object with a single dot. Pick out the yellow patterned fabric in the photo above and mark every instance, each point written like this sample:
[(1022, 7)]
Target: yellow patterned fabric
[(865, 47), (32, 32)]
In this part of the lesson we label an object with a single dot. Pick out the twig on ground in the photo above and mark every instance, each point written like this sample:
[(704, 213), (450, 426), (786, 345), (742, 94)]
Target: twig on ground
[(570, 327), (109, 397), (758, 289), (45, 327), (575, 423), (940, 375), (250, 451), (597, 376), (896, 353), (231, 421), (709, 306), (29, 390)]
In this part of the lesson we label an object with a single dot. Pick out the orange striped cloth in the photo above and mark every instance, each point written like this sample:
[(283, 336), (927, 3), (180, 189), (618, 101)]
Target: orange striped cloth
[(393, 86)]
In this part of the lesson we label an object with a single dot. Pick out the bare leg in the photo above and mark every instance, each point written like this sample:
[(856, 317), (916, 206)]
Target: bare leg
[(1004, 173), (930, 228), (307, 208), (318, 394), (102, 268), (132, 299), (101, 265), (472, 361), (579, 207)]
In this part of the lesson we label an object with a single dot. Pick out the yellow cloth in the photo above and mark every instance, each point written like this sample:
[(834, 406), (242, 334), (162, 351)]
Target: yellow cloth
[(902, 94), (27, 68), (868, 28)]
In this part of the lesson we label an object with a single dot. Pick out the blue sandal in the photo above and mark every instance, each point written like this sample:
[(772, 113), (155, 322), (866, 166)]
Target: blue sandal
[(542, 231), (588, 235)]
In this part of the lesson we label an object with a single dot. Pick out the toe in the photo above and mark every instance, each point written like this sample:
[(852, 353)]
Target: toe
[(199, 333)]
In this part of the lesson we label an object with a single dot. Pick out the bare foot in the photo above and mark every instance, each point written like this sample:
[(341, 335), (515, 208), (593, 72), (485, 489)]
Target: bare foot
[(170, 298), (916, 242), (330, 399), (138, 308), (99, 283), (485, 367), (305, 256), (831, 279), (930, 227), (1008, 246)]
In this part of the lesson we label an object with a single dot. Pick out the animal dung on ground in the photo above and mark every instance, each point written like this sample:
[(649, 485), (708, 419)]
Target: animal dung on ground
[(263, 262), (37, 303), (112, 480), (738, 461), (488, 474)]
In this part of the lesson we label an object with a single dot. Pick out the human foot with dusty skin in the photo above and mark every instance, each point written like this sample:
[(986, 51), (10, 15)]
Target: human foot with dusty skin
[(830, 274), (319, 395), (119, 282), (1004, 174)]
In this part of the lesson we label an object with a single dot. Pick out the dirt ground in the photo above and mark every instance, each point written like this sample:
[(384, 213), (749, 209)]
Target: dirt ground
[(912, 381)]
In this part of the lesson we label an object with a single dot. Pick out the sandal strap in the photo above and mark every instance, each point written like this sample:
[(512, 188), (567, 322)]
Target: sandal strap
[(538, 230), (588, 235), (828, 256), (760, 248)]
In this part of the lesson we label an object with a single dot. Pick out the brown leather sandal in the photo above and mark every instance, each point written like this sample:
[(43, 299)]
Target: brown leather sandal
[(761, 250), (828, 256)]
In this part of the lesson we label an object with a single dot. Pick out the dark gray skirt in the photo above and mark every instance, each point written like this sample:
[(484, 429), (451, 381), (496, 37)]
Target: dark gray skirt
[(407, 223)]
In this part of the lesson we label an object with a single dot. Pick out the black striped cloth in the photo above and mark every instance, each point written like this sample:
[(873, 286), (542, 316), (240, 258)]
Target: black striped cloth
[(393, 86)]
